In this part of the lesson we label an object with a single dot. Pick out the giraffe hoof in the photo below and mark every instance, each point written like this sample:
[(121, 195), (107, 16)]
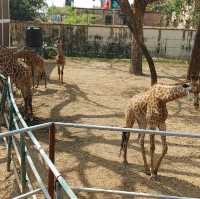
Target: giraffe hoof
[(147, 172), (154, 177), (125, 162)]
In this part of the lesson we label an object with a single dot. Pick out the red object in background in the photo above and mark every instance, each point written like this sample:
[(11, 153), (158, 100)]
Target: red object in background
[(106, 4), (123, 9)]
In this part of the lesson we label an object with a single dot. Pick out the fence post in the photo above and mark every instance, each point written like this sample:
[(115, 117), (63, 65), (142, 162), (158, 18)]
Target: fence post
[(23, 162), (59, 194), (51, 178), (11, 125), (3, 97), (2, 102)]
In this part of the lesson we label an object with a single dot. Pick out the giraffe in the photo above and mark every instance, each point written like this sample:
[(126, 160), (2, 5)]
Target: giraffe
[(60, 60), (36, 62), (150, 111), (20, 75)]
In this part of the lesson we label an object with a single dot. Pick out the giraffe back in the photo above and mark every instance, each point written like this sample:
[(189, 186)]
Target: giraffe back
[(32, 59)]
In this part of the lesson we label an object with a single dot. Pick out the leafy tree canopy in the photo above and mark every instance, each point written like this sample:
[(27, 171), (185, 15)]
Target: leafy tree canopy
[(71, 16), (179, 11), (26, 9)]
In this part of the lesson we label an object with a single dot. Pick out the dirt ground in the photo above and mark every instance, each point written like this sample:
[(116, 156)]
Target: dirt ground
[(8, 185), (96, 91)]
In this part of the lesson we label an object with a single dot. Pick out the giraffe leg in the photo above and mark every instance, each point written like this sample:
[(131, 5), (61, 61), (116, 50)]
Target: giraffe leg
[(33, 76), (62, 68), (45, 79), (38, 81), (139, 136), (130, 119), (162, 127), (141, 141), (152, 153), (59, 72), (124, 145), (146, 167)]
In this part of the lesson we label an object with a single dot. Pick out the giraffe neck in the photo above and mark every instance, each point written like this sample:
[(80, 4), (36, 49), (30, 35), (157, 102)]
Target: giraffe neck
[(169, 93)]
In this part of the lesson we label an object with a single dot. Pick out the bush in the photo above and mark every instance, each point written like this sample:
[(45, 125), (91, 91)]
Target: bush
[(49, 52)]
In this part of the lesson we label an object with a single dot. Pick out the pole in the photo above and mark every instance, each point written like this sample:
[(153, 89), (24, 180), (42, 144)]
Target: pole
[(23, 162), (2, 28), (9, 22), (11, 125), (51, 178), (59, 194)]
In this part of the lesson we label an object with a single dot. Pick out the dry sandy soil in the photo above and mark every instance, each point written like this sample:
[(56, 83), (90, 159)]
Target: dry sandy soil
[(96, 91), (8, 185)]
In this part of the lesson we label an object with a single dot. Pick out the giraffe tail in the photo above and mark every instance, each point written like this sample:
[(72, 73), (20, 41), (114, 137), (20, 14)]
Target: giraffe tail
[(124, 142), (130, 119)]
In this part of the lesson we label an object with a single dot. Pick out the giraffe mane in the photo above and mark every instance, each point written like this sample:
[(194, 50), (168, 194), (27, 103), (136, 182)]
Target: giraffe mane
[(173, 84)]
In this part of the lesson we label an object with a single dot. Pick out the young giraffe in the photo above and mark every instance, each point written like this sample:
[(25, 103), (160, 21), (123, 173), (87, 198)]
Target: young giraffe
[(150, 111), (36, 62), (60, 60), (20, 75)]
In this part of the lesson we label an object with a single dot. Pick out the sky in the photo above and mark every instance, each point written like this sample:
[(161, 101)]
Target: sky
[(77, 3)]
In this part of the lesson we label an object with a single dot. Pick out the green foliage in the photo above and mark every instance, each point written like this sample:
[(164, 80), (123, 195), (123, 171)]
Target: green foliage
[(71, 15), (170, 6), (49, 52), (25, 9), (180, 10), (59, 10)]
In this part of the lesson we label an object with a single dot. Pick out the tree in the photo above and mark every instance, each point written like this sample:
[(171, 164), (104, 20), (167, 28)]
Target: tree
[(25, 9), (135, 16), (182, 12), (71, 16), (194, 67)]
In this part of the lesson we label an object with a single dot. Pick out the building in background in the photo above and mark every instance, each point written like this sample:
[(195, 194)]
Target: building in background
[(69, 2), (104, 12), (109, 4), (87, 4)]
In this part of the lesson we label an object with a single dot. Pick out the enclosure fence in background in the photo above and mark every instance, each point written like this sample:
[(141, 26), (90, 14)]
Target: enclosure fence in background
[(109, 41)]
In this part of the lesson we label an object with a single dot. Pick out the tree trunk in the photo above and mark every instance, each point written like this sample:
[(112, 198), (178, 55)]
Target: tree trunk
[(194, 67), (197, 13), (132, 24), (136, 52)]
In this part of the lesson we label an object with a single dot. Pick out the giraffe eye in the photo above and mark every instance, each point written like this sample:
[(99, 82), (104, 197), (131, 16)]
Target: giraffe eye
[(185, 86)]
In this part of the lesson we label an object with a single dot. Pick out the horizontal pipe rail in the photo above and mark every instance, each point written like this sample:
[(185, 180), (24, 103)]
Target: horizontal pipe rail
[(131, 130), (26, 195), (41, 151), (24, 130), (33, 168), (30, 187), (98, 127), (144, 195)]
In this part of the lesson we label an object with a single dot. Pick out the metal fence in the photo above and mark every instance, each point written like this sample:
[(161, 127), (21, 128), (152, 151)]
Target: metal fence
[(109, 41), (14, 120), (57, 185)]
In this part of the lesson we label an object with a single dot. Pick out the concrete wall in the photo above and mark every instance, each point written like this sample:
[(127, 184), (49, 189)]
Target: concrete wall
[(110, 41)]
